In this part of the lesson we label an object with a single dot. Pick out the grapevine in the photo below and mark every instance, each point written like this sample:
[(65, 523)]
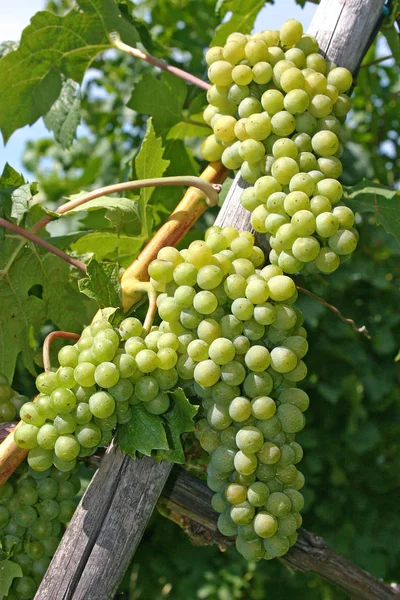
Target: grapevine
[(206, 337)]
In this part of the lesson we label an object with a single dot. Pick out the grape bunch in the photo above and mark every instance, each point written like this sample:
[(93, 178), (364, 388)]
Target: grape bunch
[(100, 378), (240, 344), (277, 109), (34, 510), (10, 401)]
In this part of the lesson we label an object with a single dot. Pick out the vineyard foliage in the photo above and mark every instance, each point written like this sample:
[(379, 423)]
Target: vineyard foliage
[(112, 118)]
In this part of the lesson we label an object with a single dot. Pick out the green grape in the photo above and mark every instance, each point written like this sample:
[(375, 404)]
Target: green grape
[(257, 359), (207, 373), (122, 391), (272, 101), (236, 493), (67, 447), (68, 356), (303, 223), (245, 464), (306, 249), (298, 344), (218, 417), (221, 351), (46, 382), (87, 436), (40, 459), (223, 393), (65, 377), (258, 126), (48, 433), (343, 242), (225, 524), (249, 439), (30, 415), (25, 436), (283, 169), (291, 33), (84, 374), (240, 409), (345, 216), (242, 75), (130, 327)]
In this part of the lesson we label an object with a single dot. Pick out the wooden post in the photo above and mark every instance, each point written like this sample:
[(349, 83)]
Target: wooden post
[(109, 522), (106, 528)]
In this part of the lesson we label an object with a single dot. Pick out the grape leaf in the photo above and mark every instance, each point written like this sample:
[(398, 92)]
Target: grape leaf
[(64, 116), (8, 571), (162, 98), (149, 163), (10, 183), (370, 197), (144, 433), (102, 284), (22, 270), (107, 245), (242, 19), (124, 213), (178, 420), (52, 46)]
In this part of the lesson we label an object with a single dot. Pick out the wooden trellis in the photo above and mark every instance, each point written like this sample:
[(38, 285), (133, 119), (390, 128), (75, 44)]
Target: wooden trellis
[(111, 518)]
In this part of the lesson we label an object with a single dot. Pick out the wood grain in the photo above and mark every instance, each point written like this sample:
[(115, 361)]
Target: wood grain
[(106, 529)]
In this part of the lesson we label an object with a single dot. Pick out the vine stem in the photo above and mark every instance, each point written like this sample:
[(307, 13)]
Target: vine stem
[(351, 322), (40, 242), (210, 190), (47, 343), (157, 62), (376, 62)]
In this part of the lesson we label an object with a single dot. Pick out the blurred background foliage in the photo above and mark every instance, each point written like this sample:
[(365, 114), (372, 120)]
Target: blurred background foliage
[(352, 437)]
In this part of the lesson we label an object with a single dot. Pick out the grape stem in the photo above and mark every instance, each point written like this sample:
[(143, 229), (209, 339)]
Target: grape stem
[(351, 322), (151, 311), (47, 343), (209, 189), (40, 242), (157, 62)]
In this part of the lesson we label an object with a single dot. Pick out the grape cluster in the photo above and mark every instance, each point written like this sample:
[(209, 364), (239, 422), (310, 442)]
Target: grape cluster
[(240, 345), (10, 401), (34, 510), (100, 378), (277, 107)]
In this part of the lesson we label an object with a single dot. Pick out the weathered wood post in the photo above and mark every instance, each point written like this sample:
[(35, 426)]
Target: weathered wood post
[(112, 515)]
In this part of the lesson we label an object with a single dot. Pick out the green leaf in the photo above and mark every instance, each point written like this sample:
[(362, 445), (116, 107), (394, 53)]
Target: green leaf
[(124, 213), (64, 116), (102, 284), (24, 269), (106, 245), (393, 39), (8, 571), (53, 46), (144, 433), (14, 195), (161, 98), (178, 420), (149, 163), (243, 16), (370, 197)]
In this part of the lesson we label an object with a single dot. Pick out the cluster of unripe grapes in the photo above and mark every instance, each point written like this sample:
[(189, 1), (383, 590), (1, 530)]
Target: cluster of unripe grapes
[(99, 379), (240, 345), (34, 510), (277, 108), (10, 401)]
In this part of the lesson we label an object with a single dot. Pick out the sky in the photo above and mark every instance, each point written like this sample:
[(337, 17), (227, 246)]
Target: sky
[(15, 16)]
